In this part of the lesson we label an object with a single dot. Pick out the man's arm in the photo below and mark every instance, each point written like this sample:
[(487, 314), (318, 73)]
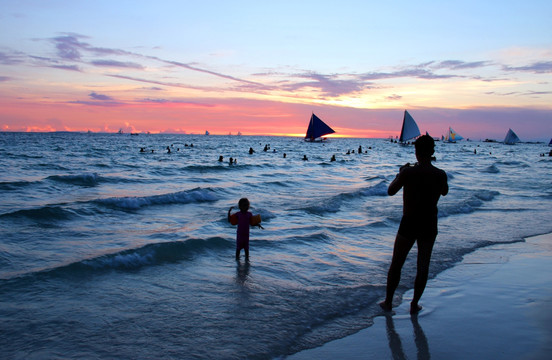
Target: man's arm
[(395, 185)]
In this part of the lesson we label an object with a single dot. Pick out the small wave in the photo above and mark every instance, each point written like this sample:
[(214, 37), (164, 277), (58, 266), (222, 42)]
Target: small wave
[(513, 163), (380, 189), (220, 166), (87, 179), (333, 204), (469, 205), (14, 185), (42, 214), (279, 183), (197, 195), (492, 169), (135, 259), (154, 254)]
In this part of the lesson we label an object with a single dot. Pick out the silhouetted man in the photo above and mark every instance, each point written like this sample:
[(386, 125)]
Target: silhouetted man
[(423, 185)]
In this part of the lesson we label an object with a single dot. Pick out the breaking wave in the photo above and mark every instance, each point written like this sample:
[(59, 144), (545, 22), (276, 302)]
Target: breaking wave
[(197, 195)]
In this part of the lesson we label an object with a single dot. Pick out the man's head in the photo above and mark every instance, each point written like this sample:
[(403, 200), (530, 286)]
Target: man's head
[(425, 146)]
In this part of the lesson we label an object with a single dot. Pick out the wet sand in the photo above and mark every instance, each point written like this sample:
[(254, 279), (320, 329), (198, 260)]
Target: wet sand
[(495, 304)]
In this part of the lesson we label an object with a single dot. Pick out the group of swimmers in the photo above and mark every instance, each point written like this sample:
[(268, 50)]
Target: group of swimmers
[(168, 148), (266, 148)]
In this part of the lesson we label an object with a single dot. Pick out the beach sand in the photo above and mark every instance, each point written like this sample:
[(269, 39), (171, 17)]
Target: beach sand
[(495, 304)]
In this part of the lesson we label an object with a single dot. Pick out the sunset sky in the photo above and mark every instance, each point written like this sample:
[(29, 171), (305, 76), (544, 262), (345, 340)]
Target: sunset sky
[(262, 67)]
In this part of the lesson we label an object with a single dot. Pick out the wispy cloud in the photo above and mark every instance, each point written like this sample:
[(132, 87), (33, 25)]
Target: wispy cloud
[(10, 59), (5, 78), (412, 72), (96, 96), (117, 64), (163, 83), (329, 85), (177, 102), (394, 97), (460, 65), (74, 52), (70, 47), (66, 67), (541, 67), (530, 93), (98, 100)]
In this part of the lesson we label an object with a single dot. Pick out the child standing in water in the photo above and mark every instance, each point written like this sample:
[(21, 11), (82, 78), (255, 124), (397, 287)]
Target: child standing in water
[(243, 218)]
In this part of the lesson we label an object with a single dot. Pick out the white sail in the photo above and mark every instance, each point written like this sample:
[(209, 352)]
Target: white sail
[(409, 129), (511, 138)]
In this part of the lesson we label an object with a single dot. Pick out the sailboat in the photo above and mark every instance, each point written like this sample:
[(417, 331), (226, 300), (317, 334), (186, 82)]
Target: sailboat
[(452, 136), (409, 128), (317, 128), (511, 138)]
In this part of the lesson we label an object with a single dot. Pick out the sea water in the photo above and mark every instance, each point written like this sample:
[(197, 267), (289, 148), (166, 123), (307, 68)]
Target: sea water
[(110, 252)]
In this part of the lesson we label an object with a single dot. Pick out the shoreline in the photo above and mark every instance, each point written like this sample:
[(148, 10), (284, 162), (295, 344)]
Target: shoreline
[(496, 303)]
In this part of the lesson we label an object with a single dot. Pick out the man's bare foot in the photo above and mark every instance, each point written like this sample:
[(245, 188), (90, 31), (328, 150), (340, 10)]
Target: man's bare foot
[(415, 308), (385, 306)]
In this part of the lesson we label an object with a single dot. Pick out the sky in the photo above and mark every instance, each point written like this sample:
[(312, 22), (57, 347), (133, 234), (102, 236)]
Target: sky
[(263, 67)]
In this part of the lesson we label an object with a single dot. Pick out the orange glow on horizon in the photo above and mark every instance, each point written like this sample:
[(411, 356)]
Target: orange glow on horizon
[(248, 117)]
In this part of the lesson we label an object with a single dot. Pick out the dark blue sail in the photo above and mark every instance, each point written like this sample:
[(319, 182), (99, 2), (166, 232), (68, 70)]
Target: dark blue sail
[(409, 129), (317, 128)]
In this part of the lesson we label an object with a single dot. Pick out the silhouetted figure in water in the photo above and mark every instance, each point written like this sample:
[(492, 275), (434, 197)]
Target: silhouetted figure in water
[(333, 158), (244, 219), (221, 158), (360, 149), (142, 150), (168, 150), (305, 158), (423, 185), (232, 161), (285, 155), (251, 151)]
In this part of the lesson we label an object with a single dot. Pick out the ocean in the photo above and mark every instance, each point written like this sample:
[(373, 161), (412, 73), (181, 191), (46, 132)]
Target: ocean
[(110, 252)]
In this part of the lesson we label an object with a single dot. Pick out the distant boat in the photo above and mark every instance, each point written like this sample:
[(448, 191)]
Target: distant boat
[(317, 128), (409, 128), (511, 138), (452, 136), (206, 132)]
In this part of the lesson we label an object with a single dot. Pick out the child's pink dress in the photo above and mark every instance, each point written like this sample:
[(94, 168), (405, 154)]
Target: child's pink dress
[(243, 220)]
